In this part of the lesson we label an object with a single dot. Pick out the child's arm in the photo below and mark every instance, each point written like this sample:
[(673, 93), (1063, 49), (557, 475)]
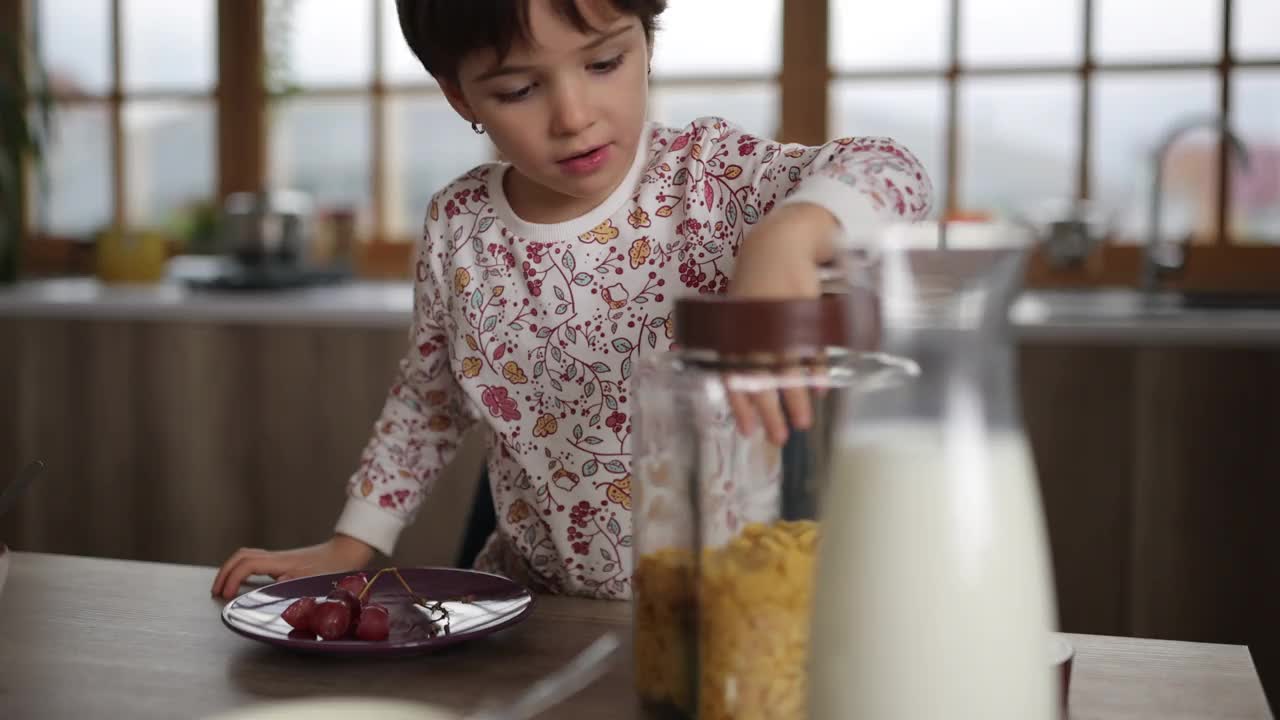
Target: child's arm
[(416, 436), (796, 203), (809, 196)]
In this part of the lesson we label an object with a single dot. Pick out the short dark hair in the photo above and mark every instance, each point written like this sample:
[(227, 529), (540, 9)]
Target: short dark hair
[(441, 32)]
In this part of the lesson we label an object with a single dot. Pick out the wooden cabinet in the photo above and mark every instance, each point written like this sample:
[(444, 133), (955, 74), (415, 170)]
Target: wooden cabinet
[(1160, 469), (180, 442)]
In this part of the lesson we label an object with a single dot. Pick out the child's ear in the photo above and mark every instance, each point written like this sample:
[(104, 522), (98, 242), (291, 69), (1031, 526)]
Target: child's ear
[(456, 99)]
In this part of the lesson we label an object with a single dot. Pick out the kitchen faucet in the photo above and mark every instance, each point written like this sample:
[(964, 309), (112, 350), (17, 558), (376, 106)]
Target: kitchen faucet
[(1161, 259)]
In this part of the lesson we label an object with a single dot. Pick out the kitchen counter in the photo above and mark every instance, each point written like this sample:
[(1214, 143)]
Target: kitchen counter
[(1102, 316)]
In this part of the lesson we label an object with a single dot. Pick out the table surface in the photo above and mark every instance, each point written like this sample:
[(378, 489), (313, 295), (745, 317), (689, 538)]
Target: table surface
[(88, 637)]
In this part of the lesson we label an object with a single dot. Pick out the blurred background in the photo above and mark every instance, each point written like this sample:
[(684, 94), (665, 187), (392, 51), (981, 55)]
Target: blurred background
[(1007, 104), (195, 388)]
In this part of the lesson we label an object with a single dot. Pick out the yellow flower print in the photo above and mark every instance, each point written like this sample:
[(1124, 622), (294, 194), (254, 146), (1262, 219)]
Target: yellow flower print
[(436, 398), (514, 375), (639, 218), (669, 327), (565, 480), (639, 252), (602, 233), (616, 295), (546, 425), (439, 423), (518, 511), (618, 491), (366, 487), (471, 367), (435, 211), (461, 279)]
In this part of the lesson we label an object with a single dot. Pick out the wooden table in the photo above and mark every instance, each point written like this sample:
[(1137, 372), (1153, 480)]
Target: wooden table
[(85, 637)]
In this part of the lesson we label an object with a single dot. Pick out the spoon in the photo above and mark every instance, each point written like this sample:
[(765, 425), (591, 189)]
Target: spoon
[(19, 486), (553, 689)]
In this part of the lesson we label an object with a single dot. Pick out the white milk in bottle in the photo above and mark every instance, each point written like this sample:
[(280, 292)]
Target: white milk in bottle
[(933, 596)]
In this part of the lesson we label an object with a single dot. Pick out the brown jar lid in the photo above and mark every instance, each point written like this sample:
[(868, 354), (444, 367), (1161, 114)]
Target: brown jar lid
[(736, 326)]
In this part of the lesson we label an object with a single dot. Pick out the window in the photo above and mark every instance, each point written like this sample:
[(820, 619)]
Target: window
[(132, 84), (1011, 104), (362, 126), (718, 57)]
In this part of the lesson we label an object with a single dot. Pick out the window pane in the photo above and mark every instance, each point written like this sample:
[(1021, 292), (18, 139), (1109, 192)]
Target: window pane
[(911, 112), (399, 65), (706, 37), (905, 33), (1019, 140), (78, 201), (1254, 28), (321, 146), (1131, 113), (752, 108), (321, 42), (75, 43), (1255, 192), (170, 161), (168, 44), (1157, 30), (428, 145), (1011, 31)]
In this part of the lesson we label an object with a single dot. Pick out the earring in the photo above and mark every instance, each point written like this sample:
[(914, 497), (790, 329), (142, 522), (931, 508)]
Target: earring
[(477, 128)]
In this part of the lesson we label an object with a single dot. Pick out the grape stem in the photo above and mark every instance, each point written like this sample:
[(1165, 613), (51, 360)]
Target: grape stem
[(372, 580)]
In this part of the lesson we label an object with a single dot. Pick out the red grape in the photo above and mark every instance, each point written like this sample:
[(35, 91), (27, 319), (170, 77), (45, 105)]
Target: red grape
[(346, 598), (330, 620), (298, 614), (354, 584), (375, 623)]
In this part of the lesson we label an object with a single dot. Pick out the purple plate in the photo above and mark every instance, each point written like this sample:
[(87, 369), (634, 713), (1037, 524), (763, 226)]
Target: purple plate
[(478, 603)]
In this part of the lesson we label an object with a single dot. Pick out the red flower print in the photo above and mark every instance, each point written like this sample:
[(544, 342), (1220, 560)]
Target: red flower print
[(451, 209), (387, 501), (499, 403), (616, 421), (535, 288)]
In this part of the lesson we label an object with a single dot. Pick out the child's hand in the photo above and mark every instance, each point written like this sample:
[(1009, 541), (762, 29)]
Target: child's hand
[(781, 259), (340, 554)]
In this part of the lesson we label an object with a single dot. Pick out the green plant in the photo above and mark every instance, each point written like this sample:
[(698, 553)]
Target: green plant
[(26, 117)]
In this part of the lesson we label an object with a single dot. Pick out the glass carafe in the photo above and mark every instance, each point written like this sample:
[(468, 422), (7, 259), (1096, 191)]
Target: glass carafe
[(933, 593)]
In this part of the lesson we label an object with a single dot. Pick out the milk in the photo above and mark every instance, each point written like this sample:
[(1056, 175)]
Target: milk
[(933, 597)]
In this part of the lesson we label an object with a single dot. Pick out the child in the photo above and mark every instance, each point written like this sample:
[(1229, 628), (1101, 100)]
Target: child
[(540, 281)]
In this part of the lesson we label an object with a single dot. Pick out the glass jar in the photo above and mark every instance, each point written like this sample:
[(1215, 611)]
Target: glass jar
[(725, 521)]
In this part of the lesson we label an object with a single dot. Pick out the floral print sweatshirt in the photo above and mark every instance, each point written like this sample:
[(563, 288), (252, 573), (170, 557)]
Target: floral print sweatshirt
[(532, 332)]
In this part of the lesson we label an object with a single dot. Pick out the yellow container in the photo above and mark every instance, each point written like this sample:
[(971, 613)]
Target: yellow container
[(132, 257)]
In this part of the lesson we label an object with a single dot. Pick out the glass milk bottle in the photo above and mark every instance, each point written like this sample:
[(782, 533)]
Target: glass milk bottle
[(933, 593)]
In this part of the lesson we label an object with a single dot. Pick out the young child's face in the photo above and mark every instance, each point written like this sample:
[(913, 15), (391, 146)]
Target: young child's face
[(568, 109)]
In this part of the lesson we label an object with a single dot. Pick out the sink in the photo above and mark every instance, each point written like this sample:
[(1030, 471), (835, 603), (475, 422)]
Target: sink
[(1127, 303), (1147, 318), (1227, 300)]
